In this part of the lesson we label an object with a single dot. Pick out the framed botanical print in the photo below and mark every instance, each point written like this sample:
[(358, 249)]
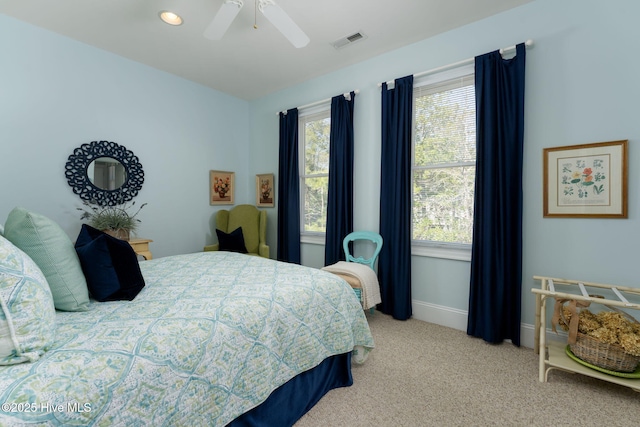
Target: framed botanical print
[(586, 181), (221, 187), (265, 190)]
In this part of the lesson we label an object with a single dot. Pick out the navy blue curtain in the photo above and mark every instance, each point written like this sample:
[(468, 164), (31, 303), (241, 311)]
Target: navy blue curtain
[(289, 189), (496, 260), (394, 264), (340, 193)]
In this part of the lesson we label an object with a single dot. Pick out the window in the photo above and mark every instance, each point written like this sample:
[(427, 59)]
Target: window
[(314, 128), (444, 154)]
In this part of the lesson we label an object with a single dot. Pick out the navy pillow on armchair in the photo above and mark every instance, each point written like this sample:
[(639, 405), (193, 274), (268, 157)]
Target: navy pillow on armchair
[(232, 242), (110, 266)]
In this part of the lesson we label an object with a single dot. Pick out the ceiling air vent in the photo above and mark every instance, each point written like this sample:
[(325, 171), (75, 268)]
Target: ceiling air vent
[(350, 39)]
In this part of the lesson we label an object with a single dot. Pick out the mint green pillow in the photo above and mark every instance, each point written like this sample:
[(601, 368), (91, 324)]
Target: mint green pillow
[(27, 314), (49, 246)]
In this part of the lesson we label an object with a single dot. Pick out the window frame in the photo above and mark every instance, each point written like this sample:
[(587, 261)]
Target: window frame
[(317, 112), (430, 248)]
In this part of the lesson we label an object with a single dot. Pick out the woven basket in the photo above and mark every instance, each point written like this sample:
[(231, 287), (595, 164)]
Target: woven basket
[(603, 355)]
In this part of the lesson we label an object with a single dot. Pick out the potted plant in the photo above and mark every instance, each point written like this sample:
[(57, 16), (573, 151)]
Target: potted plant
[(116, 221)]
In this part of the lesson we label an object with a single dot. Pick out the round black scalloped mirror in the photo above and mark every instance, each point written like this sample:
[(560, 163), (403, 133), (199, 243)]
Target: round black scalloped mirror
[(104, 173)]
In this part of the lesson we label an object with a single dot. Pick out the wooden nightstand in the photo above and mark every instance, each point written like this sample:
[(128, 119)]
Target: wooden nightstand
[(141, 247)]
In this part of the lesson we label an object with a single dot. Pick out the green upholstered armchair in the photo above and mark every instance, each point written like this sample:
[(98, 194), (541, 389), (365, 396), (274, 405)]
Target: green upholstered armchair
[(254, 228)]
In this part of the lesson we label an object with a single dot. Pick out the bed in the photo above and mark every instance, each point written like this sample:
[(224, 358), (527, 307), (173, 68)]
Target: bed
[(213, 339)]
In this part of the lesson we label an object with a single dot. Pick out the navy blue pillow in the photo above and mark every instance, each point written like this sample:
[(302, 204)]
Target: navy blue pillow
[(232, 242), (110, 266)]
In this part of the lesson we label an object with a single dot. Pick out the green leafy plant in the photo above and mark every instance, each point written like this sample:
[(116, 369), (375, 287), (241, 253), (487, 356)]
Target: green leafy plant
[(112, 218)]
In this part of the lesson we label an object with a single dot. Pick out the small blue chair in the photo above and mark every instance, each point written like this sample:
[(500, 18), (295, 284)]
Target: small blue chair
[(362, 235)]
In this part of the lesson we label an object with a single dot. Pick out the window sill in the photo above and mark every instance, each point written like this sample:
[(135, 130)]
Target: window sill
[(313, 239), (459, 253)]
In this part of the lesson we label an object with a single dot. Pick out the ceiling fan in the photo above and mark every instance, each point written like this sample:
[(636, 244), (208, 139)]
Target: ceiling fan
[(273, 12)]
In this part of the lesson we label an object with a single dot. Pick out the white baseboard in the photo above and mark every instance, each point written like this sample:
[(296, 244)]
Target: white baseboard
[(457, 319), (440, 315)]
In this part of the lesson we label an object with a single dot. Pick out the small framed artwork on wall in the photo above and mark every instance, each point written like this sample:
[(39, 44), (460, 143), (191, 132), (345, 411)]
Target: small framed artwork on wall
[(265, 190), (221, 187), (586, 181)]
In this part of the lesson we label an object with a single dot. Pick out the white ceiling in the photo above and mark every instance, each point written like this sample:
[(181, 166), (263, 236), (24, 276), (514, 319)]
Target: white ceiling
[(249, 63)]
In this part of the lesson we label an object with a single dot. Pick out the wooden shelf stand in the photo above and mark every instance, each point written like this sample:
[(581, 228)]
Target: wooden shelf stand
[(552, 354)]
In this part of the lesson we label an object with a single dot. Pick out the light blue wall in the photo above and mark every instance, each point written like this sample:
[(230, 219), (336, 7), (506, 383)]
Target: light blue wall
[(582, 86), (56, 94)]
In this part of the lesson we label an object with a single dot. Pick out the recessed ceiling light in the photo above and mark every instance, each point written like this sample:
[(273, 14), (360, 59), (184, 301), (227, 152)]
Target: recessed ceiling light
[(170, 17)]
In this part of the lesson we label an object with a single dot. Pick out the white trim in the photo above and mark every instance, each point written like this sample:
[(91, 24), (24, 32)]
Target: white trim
[(443, 249), (317, 113), (455, 253), (440, 315), (313, 239), (463, 70), (458, 254), (457, 319)]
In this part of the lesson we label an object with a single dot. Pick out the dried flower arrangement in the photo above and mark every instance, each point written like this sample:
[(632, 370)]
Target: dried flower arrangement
[(610, 327)]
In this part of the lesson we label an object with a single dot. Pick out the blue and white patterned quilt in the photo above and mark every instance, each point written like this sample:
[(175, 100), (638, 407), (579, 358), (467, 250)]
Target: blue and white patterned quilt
[(210, 336)]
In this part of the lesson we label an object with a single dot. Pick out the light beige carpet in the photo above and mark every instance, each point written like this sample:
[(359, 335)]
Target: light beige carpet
[(421, 374)]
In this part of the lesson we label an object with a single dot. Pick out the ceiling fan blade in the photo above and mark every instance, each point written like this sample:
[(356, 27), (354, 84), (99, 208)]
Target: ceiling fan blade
[(283, 23), (223, 19)]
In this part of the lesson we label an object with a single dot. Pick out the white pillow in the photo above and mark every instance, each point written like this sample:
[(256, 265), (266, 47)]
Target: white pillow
[(27, 314)]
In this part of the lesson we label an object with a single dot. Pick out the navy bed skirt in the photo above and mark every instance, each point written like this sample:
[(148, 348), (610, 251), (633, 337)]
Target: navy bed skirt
[(288, 403)]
